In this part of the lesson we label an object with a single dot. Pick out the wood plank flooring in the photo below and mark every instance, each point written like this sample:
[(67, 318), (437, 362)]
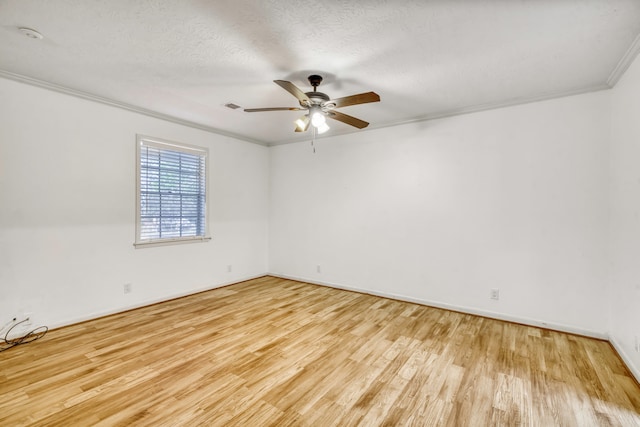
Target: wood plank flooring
[(283, 353)]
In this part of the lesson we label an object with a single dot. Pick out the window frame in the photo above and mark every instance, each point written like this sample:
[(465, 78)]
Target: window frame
[(163, 144)]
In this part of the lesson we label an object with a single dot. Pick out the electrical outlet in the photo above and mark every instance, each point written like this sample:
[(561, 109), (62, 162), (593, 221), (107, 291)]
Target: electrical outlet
[(495, 294), (127, 288), (318, 269), (637, 345), (229, 268)]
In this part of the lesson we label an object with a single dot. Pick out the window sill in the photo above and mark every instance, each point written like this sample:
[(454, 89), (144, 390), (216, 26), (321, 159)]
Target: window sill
[(166, 242)]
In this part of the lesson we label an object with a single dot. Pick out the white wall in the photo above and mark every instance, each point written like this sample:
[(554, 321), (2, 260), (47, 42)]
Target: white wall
[(442, 211), (625, 218), (67, 210)]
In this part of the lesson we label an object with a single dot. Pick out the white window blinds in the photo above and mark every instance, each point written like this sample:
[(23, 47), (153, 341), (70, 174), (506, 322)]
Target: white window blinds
[(171, 192)]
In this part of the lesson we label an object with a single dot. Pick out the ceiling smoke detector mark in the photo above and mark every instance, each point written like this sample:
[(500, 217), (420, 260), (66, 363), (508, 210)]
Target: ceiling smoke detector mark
[(232, 105), (31, 33)]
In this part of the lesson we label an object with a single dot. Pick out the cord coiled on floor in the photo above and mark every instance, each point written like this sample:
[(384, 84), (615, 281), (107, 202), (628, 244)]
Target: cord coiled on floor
[(31, 336)]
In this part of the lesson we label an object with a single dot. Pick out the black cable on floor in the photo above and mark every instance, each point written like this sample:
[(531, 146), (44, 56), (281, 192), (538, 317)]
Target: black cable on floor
[(35, 334)]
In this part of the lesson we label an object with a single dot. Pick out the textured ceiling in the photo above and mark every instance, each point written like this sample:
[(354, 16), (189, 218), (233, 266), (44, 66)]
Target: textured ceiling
[(184, 60)]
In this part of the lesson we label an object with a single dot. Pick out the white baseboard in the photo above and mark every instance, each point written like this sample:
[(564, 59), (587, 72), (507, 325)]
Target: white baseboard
[(467, 310), (635, 371), (97, 315)]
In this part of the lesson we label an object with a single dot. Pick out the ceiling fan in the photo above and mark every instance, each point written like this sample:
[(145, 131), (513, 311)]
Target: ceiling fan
[(319, 106)]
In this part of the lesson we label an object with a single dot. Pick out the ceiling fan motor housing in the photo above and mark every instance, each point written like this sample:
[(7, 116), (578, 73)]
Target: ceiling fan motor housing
[(317, 98)]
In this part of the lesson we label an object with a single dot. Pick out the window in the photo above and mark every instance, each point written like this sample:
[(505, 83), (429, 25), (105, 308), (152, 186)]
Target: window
[(171, 192)]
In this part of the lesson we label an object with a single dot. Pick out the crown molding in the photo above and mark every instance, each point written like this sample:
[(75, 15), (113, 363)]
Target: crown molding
[(621, 67), (624, 63), (124, 106), (504, 104)]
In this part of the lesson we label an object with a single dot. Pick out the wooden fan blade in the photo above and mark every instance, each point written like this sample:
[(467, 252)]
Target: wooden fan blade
[(257, 110), (361, 98), (293, 90), (350, 120)]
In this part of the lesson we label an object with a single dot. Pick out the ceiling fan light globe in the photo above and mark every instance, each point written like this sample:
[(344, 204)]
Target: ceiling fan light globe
[(323, 128), (302, 123), (318, 119)]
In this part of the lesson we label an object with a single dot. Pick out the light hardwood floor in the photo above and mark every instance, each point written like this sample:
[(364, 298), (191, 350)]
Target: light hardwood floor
[(278, 352)]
